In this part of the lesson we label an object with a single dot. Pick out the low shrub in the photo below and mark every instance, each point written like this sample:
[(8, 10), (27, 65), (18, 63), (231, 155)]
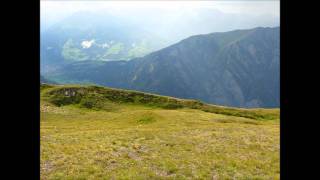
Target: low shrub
[(172, 106)]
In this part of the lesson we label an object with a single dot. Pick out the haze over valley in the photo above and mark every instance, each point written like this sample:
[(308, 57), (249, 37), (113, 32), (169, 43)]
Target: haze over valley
[(209, 51)]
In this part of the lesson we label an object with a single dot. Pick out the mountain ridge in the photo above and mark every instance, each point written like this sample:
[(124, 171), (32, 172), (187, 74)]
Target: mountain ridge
[(220, 68), (61, 95)]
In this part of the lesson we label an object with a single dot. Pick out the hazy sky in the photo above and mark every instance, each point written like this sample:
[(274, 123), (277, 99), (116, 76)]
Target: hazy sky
[(54, 11), (252, 7)]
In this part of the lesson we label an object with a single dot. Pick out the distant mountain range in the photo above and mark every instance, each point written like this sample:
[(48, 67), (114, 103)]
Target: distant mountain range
[(89, 36), (46, 81), (238, 68), (116, 35)]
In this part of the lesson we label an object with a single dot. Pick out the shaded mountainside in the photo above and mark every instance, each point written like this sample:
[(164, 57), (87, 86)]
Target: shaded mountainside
[(237, 68)]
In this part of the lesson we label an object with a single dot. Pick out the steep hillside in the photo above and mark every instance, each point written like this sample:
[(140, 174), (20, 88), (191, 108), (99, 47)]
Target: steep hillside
[(237, 68), (90, 132)]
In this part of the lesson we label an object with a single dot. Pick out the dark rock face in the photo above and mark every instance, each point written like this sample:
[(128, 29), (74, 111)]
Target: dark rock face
[(237, 68)]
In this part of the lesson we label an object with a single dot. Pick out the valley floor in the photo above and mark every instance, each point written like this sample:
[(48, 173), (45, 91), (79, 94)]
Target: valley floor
[(137, 142)]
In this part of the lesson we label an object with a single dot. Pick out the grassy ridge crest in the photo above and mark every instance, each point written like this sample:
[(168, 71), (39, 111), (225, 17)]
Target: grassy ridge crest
[(94, 96)]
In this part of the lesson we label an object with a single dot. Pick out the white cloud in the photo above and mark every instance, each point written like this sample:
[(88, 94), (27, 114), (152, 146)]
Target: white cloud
[(87, 44), (105, 45)]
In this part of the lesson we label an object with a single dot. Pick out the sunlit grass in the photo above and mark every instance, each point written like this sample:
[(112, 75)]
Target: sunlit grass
[(132, 141)]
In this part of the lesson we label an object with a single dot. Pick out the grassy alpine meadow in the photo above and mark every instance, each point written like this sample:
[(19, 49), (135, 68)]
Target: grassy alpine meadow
[(88, 134)]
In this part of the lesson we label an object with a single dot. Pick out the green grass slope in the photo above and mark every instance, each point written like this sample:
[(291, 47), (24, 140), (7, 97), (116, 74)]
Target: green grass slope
[(96, 94), (91, 132)]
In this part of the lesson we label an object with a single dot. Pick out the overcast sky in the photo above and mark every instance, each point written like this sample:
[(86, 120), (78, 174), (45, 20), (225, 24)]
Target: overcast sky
[(54, 11)]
